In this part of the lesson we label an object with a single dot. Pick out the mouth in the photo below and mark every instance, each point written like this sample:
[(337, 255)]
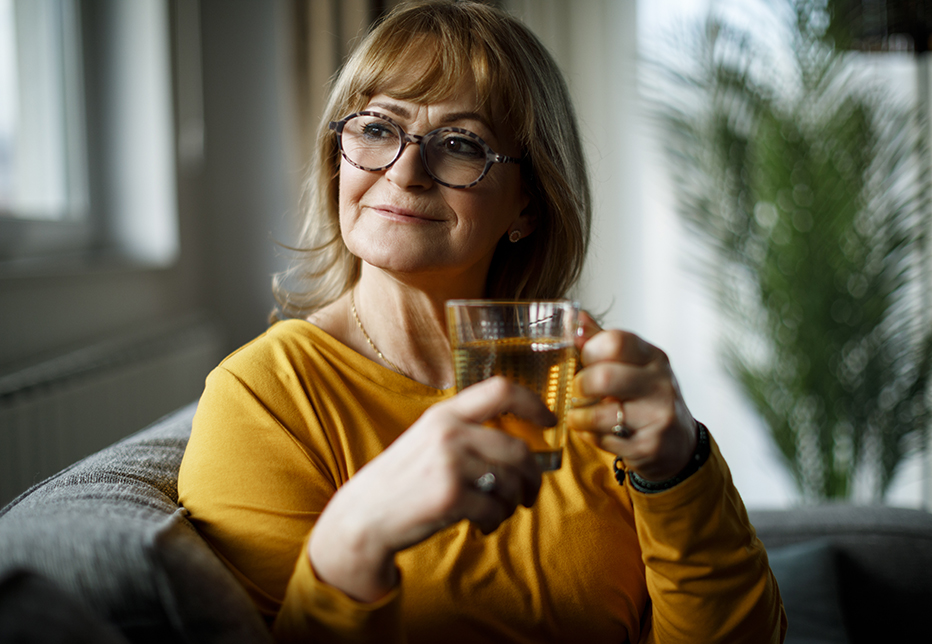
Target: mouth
[(398, 213)]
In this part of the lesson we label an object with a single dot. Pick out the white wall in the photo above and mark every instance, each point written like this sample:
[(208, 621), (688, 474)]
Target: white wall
[(251, 175)]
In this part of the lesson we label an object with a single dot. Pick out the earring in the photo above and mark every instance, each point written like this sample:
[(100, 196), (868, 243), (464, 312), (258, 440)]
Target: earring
[(514, 236)]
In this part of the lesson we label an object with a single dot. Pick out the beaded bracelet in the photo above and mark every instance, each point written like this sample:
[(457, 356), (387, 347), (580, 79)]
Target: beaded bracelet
[(699, 457)]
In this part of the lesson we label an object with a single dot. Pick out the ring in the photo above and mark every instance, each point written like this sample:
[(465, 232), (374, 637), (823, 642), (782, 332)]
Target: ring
[(485, 483), (620, 429)]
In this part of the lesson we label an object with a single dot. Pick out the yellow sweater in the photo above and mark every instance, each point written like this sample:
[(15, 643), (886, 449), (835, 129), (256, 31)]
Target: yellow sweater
[(290, 417)]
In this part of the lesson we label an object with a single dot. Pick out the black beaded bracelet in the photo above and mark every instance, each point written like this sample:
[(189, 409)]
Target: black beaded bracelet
[(699, 457)]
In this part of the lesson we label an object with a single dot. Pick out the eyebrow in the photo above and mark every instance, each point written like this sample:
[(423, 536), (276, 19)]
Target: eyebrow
[(452, 117)]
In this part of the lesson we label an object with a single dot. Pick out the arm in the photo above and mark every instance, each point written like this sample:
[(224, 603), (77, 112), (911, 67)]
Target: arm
[(252, 488), (707, 573), (266, 487), (346, 580), (423, 483)]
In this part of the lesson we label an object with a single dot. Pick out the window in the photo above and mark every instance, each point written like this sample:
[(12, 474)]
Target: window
[(87, 165), (42, 168)]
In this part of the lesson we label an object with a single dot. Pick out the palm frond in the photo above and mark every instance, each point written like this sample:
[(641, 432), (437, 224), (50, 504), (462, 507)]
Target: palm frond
[(808, 188)]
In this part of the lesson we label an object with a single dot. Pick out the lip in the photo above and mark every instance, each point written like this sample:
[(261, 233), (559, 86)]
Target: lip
[(398, 213)]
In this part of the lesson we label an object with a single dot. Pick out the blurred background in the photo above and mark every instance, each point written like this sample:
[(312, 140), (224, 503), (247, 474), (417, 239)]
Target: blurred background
[(762, 208)]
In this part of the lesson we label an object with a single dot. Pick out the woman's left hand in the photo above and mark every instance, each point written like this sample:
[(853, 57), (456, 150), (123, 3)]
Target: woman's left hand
[(639, 395)]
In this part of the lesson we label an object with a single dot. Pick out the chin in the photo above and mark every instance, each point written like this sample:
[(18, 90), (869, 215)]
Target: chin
[(405, 256)]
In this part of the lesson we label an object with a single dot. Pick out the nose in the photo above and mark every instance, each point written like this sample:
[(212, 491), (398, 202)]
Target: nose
[(408, 170)]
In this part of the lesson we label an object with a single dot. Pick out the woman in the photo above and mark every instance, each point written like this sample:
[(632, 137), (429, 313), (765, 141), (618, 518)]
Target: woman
[(334, 470)]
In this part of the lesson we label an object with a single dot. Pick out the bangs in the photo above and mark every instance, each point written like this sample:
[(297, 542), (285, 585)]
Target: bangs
[(441, 58), (439, 69)]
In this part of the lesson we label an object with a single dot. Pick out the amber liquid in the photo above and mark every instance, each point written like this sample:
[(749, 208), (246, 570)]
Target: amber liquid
[(545, 366)]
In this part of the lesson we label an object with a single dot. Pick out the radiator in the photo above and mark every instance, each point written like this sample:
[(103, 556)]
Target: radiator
[(57, 412)]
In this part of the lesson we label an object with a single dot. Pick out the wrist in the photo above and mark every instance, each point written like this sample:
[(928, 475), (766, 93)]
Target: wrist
[(352, 561), (697, 460)]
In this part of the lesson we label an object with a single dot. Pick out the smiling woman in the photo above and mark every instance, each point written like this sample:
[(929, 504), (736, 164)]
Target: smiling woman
[(355, 493)]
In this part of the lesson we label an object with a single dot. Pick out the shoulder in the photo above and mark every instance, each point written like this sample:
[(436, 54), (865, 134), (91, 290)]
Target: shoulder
[(282, 373), (282, 343)]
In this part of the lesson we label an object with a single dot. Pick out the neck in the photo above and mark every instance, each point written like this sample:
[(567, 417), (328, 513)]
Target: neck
[(406, 323)]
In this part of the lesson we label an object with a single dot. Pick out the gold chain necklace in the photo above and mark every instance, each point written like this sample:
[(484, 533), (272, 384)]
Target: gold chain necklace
[(366, 335)]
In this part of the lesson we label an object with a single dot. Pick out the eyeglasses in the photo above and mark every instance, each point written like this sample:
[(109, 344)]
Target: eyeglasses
[(452, 156)]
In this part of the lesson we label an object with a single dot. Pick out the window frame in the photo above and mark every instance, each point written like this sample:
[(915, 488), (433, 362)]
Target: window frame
[(68, 227), (121, 148)]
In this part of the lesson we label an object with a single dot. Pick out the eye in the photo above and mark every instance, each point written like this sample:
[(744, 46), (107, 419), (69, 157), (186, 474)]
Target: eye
[(377, 131), (461, 146)]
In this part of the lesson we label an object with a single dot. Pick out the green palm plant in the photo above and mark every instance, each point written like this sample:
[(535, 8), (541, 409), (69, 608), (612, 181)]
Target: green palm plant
[(805, 180)]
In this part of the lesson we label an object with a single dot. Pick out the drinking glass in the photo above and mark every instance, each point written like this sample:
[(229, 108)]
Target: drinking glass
[(530, 342)]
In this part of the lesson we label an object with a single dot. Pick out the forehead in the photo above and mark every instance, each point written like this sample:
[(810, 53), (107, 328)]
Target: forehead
[(463, 98)]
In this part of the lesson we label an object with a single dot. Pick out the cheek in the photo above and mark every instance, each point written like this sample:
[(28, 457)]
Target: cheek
[(352, 184)]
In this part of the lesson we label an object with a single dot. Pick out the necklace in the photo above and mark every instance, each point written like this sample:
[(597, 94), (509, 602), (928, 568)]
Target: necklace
[(391, 364)]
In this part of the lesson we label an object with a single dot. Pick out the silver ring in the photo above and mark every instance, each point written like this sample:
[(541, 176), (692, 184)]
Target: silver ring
[(486, 483), (620, 429)]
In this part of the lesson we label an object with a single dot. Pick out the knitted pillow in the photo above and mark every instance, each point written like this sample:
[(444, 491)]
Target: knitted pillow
[(108, 530)]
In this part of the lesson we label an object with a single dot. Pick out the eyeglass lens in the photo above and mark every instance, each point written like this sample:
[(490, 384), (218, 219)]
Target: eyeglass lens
[(452, 157)]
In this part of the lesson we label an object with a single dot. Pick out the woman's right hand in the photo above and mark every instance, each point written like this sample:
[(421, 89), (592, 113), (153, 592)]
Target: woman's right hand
[(424, 482)]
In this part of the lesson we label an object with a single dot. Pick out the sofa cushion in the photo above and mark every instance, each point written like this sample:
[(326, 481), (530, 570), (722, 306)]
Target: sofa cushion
[(109, 531), (807, 574), (884, 562), (33, 610)]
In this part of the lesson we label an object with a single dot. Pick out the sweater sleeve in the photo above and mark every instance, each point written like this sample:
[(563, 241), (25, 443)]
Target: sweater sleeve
[(708, 576), (316, 612), (255, 477)]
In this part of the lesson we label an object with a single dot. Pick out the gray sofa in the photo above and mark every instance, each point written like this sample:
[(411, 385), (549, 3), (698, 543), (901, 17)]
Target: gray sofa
[(102, 553), (851, 573)]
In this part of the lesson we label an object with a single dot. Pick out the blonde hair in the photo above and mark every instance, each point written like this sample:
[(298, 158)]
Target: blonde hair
[(511, 68)]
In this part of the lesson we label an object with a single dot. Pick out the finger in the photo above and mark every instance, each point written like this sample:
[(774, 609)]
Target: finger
[(599, 419), (487, 511), (492, 497), (518, 477), (612, 379), (481, 449), (620, 346), (497, 395), (504, 482), (586, 328)]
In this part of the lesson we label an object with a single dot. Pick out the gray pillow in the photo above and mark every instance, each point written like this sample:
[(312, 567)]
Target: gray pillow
[(109, 531), (807, 574), (33, 610)]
